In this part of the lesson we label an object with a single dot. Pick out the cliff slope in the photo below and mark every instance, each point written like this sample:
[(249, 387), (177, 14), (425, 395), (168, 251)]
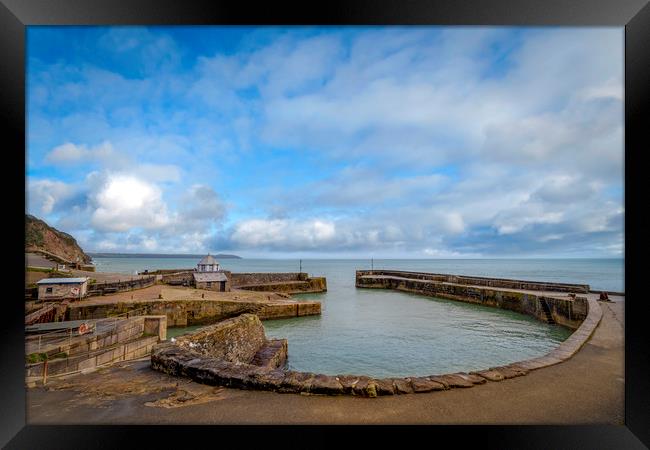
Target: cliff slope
[(41, 236)]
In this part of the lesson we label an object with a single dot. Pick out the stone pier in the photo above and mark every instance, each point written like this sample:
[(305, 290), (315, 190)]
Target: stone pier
[(563, 301)]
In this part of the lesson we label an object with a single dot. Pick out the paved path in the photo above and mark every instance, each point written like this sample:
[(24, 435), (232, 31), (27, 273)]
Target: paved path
[(587, 389)]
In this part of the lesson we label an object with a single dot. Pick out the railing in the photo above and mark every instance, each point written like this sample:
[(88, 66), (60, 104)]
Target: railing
[(35, 316), (120, 286), (68, 334), (69, 331)]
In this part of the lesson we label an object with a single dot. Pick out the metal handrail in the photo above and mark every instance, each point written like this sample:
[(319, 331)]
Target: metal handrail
[(68, 331)]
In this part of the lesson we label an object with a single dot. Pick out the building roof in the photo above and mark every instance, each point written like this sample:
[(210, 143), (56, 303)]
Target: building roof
[(208, 259), (62, 280), (202, 277)]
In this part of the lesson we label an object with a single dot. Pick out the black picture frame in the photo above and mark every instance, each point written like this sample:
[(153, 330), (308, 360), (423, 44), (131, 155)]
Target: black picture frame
[(634, 15)]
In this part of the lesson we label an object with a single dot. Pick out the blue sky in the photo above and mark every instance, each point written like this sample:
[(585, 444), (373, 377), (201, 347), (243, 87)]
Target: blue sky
[(417, 142)]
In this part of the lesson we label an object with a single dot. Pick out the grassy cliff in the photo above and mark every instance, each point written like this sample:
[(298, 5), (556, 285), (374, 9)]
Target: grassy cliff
[(42, 236)]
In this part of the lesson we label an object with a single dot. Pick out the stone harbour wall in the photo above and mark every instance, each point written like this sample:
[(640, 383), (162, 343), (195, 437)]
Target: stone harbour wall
[(481, 281), (310, 285), (565, 311), (242, 279), (236, 340), (183, 313), (174, 360)]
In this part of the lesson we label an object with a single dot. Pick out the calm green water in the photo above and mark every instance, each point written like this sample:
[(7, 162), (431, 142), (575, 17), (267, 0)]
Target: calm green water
[(387, 333)]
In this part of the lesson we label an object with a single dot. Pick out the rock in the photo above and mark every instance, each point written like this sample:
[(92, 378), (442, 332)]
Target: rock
[(324, 384), (385, 387), (491, 375), (296, 382), (231, 375), (424, 384), (440, 379), (365, 387), (402, 385), (517, 368), (453, 381), (475, 379), (360, 388), (268, 380), (509, 372), (347, 382)]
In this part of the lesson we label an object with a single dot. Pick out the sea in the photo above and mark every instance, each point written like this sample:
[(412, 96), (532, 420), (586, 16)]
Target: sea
[(385, 333)]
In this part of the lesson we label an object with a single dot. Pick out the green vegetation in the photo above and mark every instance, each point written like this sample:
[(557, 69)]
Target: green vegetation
[(34, 236), (36, 357), (39, 269), (40, 357)]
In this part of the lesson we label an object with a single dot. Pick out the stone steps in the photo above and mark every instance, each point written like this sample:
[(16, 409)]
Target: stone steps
[(547, 311)]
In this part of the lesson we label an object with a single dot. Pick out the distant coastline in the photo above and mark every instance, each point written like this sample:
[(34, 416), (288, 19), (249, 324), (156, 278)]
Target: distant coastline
[(158, 255)]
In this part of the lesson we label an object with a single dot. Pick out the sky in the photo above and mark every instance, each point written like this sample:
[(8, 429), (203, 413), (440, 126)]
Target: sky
[(339, 142)]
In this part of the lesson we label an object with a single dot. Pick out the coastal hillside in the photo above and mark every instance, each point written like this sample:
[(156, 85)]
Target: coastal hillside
[(39, 235), (161, 255)]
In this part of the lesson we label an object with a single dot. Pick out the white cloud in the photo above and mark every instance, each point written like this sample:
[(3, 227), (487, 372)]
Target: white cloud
[(44, 195), (283, 233), (449, 137), (125, 202), (71, 154)]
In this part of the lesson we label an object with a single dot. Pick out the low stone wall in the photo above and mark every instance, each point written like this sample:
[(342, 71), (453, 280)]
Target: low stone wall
[(165, 271), (183, 313), (243, 279), (565, 311), (120, 286), (481, 281), (235, 340), (235, 343), (310, 285), (156, 325), (183, 278)]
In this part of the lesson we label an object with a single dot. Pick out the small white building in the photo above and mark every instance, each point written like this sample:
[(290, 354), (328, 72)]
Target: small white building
[(62, 288), (208, 264), (209, 275)]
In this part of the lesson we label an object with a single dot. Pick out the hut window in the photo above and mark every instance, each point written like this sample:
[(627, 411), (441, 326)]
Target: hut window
[(48, 290)]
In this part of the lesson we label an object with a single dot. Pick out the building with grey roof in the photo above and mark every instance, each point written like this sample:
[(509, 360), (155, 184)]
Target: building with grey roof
[(62, 288), (208, 264), (209, 275)]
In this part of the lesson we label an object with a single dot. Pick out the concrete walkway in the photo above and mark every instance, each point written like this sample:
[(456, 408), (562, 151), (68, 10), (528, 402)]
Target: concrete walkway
[(586, 389)]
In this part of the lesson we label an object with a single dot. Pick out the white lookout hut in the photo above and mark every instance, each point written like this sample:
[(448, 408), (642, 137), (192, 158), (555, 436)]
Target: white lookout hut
[(208, 264)]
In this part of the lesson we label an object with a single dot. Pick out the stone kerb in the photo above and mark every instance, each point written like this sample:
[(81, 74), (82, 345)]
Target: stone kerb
[(183, 360)]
